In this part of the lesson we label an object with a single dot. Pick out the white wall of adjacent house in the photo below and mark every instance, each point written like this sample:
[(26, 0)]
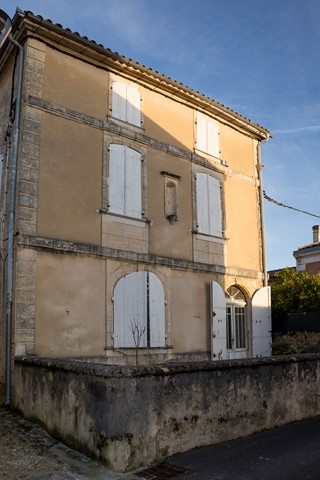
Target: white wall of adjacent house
[(307, 258)]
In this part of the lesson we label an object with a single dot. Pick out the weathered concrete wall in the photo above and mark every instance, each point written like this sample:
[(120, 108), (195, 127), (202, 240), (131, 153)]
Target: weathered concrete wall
[(131, 416)]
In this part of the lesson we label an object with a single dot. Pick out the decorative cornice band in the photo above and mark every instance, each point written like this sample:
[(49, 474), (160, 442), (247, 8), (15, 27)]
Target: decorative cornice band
[(77, 248)]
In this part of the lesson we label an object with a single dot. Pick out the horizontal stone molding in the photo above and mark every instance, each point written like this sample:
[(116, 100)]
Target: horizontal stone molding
[(125, 131), (67, 246)]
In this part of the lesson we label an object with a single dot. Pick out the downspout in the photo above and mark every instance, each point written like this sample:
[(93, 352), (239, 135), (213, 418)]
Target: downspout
[(11, 221), (261, 198)]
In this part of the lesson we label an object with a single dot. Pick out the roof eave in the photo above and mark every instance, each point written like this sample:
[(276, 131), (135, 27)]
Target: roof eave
[(25, 23)]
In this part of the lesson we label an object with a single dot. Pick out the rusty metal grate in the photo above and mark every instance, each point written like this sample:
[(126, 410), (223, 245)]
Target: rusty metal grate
[(161, 472)]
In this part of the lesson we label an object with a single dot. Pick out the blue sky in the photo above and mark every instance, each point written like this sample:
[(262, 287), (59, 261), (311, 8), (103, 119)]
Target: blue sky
[(258, 57)]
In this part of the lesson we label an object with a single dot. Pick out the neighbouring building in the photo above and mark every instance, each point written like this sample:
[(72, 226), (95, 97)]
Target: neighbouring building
[(308, 256), (131, 209)]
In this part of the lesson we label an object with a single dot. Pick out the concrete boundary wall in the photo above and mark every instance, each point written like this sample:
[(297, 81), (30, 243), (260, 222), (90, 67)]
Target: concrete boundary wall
[(133, 416)]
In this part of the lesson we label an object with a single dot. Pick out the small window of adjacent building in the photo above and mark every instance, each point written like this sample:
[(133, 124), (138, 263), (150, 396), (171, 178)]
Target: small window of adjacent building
[(124, 181), (209, 208), (126, 103), (207, 136), (139, 312)]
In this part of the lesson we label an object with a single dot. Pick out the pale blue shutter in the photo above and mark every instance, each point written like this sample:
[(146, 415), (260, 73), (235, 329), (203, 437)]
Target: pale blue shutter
[(156, 311), (133, 106), (133, 183), (202, 202), (119, 100), (130, 309), (261, 323), (214, 205), (218, 322), (116, 178)]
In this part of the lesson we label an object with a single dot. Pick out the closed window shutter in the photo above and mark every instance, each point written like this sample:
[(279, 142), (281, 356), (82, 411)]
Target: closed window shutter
[(201, 133), (214, 204), (119, 101), (133, 106), (139, 302), (207, 135), (212, 138), (202, 203), (156, 311), (126, 103), (116, 179), (130, 309), (133, 183)]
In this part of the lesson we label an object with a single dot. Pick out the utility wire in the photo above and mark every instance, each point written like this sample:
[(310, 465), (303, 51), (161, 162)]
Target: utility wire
[(287, 206)]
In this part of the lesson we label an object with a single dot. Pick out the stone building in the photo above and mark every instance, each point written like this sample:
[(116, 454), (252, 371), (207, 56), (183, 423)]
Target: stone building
[(131, 209), (308, 256)]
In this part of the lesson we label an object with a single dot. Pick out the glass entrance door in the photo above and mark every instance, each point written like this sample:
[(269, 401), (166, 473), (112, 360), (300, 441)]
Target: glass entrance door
[(237, 342)]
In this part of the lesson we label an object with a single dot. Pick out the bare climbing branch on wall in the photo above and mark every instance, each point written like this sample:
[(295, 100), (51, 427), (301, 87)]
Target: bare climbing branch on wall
[(137, 330)]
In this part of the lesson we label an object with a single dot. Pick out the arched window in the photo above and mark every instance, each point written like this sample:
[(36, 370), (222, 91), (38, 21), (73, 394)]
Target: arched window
[(236, 319), (124, 181), (139, 314)]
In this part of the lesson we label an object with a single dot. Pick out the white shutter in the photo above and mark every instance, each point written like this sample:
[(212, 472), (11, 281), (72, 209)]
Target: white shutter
[(133, 183), (133, 106), (212, 138), (156, 312), (130, 309), (218, 322), (207, 135), (202, 202), (201, 132), (261, 323), (119, 100), (214, 206), (116, 178)]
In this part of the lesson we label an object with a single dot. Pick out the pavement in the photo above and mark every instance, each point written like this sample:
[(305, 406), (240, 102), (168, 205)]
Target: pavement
[(290, 452)]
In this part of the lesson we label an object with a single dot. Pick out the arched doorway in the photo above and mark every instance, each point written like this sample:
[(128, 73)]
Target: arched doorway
[(236, 323)]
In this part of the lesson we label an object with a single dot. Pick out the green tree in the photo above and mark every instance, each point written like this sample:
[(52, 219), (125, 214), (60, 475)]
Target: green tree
[(295, 293)]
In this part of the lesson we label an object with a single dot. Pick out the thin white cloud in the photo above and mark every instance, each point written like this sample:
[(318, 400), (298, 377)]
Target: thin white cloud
[(311, 128)]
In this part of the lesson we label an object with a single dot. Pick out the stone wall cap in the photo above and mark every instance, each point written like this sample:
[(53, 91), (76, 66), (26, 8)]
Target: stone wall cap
[(101, 369)]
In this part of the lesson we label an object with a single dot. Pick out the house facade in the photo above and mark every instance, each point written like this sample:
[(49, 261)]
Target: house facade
[(137, 214), (308, 256)]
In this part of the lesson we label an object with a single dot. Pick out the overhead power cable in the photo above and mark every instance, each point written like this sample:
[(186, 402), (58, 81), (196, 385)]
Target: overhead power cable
[(288, 206)]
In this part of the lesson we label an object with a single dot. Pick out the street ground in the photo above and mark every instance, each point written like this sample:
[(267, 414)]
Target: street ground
[(291, 452), (28, 452)]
